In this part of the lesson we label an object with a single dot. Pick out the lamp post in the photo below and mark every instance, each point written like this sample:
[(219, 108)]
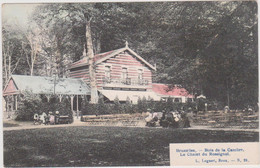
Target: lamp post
[(56, 113)]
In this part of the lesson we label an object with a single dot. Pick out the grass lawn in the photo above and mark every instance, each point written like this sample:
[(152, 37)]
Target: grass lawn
[(10, 125), (104, 146)]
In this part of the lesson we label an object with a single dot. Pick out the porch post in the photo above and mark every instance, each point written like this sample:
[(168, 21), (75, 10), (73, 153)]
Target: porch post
[(60, 97), (16, 105), (48, 97), (6, 103), (71, 102), (77, 106), (12, 103)]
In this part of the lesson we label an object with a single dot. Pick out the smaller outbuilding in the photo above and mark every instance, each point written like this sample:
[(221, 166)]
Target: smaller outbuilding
[(177, 93), (62, 88)]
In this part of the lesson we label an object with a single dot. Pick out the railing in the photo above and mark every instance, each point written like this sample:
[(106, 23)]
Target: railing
[(127, 81)]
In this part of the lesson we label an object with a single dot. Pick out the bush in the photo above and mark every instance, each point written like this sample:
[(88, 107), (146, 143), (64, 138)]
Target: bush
[(117, 106), (89, 109), (31, 103), (129, 108)]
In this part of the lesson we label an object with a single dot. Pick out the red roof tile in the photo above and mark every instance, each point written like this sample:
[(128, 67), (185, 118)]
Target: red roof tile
[(163, 89)]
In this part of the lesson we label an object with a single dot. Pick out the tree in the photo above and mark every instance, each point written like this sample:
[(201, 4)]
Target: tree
[(12, 41), (79, 14), (34, 47), (209, 48)]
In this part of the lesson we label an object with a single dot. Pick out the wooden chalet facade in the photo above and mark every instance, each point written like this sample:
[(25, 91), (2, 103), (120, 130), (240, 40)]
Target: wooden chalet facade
[(121, 71)]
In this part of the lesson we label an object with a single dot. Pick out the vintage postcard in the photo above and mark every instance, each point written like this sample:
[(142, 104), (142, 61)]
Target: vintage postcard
[(167, 83)]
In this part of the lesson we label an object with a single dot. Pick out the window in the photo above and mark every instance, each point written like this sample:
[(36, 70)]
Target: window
[(107, 74), (140, 76), (124, 73), (125, 79), (107, 71)]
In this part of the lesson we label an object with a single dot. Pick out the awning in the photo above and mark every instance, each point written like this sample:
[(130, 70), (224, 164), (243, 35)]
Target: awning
[(133, 95)]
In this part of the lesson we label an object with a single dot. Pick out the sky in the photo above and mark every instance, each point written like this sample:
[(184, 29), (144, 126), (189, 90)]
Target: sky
[(17, 13)]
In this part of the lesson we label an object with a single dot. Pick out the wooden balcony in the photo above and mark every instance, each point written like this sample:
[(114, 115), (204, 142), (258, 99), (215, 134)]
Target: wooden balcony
[(128, 82)]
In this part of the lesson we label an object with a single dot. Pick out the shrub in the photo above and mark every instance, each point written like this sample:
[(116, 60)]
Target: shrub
[(31, 103), (129, 108), (101, 107), (88, 109), (117, 106)]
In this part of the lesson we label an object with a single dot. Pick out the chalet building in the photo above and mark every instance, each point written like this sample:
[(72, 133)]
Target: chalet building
[(120, 74), (46, 87), (123, 74)]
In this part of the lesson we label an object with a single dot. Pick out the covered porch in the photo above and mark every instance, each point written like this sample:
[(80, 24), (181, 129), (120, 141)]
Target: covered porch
[(48, 88)]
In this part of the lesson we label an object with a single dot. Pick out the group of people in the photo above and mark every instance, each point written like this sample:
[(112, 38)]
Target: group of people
[(46, 119), (167, 119)]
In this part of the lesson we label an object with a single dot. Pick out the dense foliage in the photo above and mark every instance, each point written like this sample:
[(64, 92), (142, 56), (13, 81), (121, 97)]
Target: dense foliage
[(31, 104), (209, 48), (143, 105)]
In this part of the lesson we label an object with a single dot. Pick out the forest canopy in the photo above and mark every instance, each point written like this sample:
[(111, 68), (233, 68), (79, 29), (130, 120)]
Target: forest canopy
[(209, 48)]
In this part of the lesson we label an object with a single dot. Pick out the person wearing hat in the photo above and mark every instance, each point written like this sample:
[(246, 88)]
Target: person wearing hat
[(149, 116), (57, 117), (36, 118)]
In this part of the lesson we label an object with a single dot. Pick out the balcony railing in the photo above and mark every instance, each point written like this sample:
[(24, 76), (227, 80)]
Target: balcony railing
[(127, 81)]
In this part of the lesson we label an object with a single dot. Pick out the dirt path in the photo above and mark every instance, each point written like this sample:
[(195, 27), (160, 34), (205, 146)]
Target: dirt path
[(77, 122)]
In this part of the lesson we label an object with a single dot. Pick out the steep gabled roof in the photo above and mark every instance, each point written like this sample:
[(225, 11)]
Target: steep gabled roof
[(164, 90), (104, 56), (45, 85)]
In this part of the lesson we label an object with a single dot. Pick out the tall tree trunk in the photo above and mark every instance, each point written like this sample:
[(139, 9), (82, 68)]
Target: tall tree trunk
[(8, 69), (5, 68), (32, 64), (90, 56), (34, 44), (58, 65), (9, 65)]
